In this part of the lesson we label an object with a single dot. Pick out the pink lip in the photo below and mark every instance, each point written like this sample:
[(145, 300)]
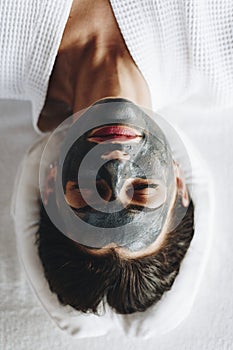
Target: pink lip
[(115, 133)]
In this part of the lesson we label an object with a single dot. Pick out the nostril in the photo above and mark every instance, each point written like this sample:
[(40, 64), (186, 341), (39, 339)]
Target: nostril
[(115, 155)]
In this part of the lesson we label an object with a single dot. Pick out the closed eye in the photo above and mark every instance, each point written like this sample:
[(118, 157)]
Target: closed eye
[(144, 186), (76, 196), (145, 192)]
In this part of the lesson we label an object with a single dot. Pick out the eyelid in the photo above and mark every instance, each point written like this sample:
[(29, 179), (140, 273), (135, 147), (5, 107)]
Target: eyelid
[(144, 186), (150, 193), (76, 186), (81, 195)]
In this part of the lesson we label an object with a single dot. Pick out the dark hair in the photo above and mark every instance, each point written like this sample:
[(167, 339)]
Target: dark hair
[(82, 279)]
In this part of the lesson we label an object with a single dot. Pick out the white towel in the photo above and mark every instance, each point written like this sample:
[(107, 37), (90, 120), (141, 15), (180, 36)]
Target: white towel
[(175, 304)]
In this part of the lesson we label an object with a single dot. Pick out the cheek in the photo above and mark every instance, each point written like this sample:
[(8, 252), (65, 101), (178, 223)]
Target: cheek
[(148, 161), (74, 200)]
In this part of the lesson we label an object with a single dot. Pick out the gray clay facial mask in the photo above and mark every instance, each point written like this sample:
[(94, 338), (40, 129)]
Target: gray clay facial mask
[(117, 177)]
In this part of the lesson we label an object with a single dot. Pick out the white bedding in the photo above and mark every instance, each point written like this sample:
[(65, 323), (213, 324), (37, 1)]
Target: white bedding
[(209, 322)]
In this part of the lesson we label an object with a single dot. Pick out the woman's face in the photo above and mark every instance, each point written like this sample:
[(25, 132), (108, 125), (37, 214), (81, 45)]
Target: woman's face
[(118, 176)]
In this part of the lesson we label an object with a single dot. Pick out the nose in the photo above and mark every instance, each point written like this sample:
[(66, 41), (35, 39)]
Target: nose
[(113, 173)]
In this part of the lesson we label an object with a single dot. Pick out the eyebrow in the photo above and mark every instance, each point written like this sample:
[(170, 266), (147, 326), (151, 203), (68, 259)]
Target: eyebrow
[(142, 208)]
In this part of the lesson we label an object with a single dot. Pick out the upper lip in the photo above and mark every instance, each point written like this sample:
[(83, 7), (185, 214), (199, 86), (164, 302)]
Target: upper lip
[(114, 132)]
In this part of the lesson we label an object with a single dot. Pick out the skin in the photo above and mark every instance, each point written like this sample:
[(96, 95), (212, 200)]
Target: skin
[(94, 63), (72, 197)]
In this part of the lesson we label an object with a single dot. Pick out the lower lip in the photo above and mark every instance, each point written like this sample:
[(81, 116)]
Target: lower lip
[(115, 133)]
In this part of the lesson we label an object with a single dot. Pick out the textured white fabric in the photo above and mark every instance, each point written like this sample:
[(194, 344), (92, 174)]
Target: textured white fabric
[(205, 29), (173, 307), (30, 34), (23, 322), (181, 47)]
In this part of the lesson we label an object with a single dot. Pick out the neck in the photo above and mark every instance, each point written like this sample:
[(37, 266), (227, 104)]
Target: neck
[(92, 63), (107, 72)]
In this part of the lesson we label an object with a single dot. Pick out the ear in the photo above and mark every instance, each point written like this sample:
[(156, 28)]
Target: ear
[(50, 182), (181, 186)]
